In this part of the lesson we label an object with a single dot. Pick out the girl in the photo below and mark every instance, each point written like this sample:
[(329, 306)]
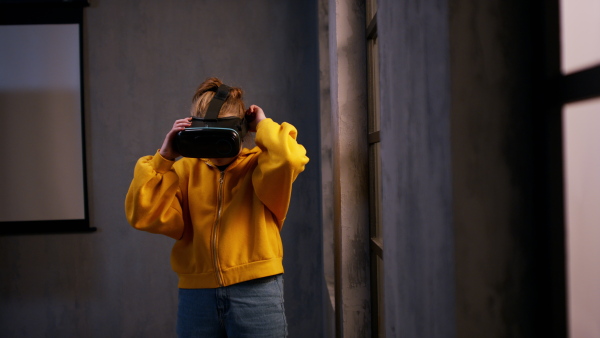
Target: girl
[(225, 215)]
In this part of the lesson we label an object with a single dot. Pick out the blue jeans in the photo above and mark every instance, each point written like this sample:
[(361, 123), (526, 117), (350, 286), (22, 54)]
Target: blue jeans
[(249, 309)]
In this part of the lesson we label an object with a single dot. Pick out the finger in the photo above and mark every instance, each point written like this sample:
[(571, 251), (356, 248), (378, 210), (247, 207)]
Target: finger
[(183, 122)]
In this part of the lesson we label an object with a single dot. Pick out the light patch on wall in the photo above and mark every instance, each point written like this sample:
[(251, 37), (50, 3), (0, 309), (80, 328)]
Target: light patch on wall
[(580, 27), (41, 176), (582, 168)]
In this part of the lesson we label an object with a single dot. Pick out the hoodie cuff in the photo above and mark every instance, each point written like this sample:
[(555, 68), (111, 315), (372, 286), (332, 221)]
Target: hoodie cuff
[(261, 124), (161, 164)]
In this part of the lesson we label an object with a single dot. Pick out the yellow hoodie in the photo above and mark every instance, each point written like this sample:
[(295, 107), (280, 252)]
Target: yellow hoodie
[(227, 223)]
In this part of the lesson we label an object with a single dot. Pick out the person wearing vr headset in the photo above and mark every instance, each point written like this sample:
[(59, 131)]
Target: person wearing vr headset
[(225, 213)]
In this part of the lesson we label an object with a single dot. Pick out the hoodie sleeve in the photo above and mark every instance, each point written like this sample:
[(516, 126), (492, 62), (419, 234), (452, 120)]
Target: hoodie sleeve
[(153, 202), (279, 163)]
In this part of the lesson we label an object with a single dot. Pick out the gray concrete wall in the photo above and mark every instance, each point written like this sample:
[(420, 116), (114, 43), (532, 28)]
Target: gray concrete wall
[(418, 235), (349, 165), (457, 155), (143, 60), (327, 187)]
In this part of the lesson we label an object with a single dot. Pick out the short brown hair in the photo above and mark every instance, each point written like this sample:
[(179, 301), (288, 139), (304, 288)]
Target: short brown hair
[(233, 106)]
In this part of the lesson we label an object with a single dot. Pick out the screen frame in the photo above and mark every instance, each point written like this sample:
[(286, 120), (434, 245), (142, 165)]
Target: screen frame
[(40, 12)]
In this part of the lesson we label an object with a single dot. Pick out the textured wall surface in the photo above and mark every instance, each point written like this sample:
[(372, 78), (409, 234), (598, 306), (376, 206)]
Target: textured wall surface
[(348, 88), (416, 177), (327, 192), (143, 61), (456, 155)]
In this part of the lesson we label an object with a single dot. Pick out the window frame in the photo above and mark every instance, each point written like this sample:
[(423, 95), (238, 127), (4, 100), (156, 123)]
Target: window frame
[(553, 90)]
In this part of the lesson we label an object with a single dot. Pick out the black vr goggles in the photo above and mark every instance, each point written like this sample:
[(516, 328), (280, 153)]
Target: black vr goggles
[(212, 137)]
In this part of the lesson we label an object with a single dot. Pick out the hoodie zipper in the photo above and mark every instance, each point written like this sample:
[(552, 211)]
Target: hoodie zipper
[(216, 228)]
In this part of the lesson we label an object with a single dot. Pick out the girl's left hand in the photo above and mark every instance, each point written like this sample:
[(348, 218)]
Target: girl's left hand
[(254, 115)]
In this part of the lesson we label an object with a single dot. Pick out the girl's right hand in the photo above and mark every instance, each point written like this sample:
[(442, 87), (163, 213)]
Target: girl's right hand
[(168, 150)]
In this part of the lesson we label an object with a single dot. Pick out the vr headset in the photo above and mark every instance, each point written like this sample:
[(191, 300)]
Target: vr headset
[(213, 137)]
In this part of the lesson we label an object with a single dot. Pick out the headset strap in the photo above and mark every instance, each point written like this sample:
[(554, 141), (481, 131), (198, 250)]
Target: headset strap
[(214, 107)]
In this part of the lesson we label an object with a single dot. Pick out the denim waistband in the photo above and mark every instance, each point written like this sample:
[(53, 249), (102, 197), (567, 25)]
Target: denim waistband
[(261, 280)]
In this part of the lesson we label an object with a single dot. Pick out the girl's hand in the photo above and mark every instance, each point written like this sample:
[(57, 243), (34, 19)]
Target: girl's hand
[(254, 115), (168, 150)]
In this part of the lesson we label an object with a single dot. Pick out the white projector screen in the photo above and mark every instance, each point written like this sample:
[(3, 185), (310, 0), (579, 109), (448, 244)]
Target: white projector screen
[(42, 171)]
